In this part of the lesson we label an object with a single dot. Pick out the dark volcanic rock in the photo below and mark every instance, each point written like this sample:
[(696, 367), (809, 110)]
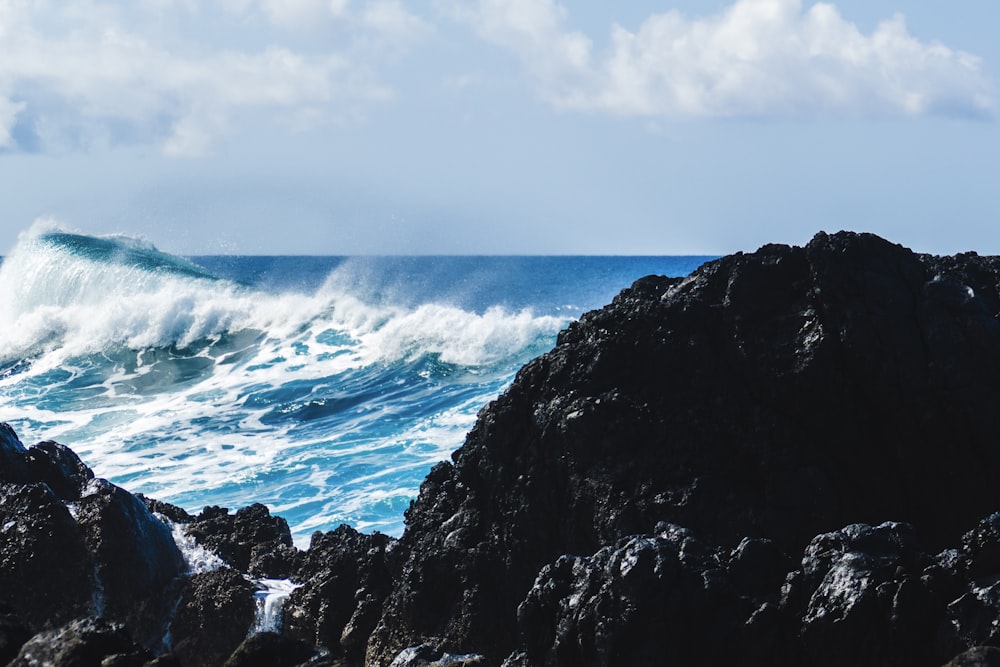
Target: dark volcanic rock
[(82, 643), (13, 467), (859, 600), (172, 513), (647, 600), (215, 614), (59, 467), (345, 578), (427, 655), (13, 634), (74, 546), (862, 595), (273, 650), (251, 540), (47, 573), (980, 656), (774, 395), (138, 562)]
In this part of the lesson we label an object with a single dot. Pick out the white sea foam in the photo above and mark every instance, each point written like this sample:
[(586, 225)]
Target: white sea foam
[(270, 599), (197, 558), (69, 305), (195, 390)]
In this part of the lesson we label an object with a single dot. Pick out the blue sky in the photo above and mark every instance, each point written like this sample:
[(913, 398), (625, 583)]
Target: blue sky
[(501, 126)]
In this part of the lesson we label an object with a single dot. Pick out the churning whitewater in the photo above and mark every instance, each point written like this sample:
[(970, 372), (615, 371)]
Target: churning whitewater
[(324, 388)]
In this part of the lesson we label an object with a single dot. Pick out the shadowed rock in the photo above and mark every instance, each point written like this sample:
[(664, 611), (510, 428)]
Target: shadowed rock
[(345, 578), (774, 395), (137, 560), (214, 615), (47, 573), (273, 650), (82, 643)]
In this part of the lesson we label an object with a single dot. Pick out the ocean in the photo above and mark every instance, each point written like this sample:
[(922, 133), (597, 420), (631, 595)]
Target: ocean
[(323, 387)]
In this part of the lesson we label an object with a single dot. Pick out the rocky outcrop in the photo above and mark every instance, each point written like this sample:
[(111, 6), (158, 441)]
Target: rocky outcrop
[(74, 546), (250, 540), (775, 395), (861, 595), (271, 649), (82, 642), (345, 577), (91, 574), (214, 616)]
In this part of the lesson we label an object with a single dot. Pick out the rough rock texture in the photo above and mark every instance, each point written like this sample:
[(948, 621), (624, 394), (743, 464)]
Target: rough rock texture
[(775, 395), (980, 656), (74, 546), (47, 574), (426, 655), (345, 578), (251, 540), (138, 563), (273, 650), (640, 602), (214, 616), (862, 595), (82, 643), (14, 632)]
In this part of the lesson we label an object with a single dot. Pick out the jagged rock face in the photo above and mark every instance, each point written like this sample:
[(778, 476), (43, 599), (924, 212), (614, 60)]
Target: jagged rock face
[(80, 643), (858, 599), (640, 602), (72, 545), (273, 650), (861, 595), (58, 466), (250, 540), (137, 560), (774, 395), (345, 578), (214, 615), (47, 574)]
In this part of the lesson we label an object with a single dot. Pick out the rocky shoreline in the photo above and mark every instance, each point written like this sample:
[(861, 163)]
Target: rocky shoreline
[(788, 457)]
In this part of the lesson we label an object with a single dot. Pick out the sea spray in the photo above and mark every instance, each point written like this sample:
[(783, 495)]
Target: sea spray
[(270, 598), (322, 387)]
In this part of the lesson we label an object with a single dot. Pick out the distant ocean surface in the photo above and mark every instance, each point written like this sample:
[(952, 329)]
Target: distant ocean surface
[(323, 387)]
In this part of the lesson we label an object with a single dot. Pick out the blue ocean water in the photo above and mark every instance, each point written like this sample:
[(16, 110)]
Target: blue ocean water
[(323, 387)]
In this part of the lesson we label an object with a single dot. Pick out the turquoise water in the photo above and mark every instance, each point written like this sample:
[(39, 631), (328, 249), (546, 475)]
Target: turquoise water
[(324, 387)]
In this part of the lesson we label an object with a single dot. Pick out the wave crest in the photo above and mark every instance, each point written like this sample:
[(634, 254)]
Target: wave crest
[(68, 295)]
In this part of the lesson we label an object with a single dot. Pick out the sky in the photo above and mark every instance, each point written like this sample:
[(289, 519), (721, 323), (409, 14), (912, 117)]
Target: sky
[(653, 127)]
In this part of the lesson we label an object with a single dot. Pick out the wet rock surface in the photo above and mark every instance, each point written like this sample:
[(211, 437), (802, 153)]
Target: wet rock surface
[(80, 643), (250, 540), (75, 546), (345, 579), (787, 457)]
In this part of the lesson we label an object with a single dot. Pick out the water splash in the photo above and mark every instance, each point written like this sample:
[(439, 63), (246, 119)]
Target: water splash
[(196, 390), (270, 598)]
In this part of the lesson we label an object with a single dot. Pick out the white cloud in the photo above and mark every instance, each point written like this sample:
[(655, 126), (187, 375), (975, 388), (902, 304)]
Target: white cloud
[(531, 28), (92, 72), (755, 58), (391, 19), (8, 115), (298, 14)]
